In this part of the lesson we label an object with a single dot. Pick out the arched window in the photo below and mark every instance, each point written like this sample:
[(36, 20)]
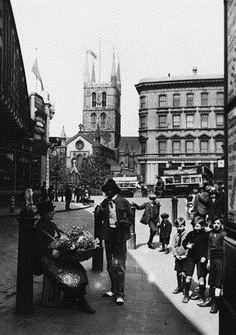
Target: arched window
[(103, 120), (93, 120), (104, 99), (93, 99)]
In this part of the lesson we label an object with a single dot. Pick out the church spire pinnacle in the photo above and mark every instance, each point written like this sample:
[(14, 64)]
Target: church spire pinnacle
[(93, 75), (113, 70), (86, 69)]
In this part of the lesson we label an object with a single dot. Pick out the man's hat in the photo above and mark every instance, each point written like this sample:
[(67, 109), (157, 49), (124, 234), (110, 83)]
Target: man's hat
[(110, 186), (152, 196), (45, 206), (164, 216)]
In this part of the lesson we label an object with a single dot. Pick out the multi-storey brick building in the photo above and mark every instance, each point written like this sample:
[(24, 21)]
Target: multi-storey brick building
[(181, 123)]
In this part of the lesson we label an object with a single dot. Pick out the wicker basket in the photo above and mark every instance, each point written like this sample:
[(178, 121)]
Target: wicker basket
[(76, 256)]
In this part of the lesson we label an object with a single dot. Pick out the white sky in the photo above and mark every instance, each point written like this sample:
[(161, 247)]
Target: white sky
[(150, 38)]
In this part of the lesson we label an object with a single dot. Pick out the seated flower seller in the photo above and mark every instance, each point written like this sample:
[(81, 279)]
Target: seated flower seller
[(46, 230)]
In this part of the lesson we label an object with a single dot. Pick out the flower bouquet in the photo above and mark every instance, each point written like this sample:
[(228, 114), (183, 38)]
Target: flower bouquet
[(76, 245)]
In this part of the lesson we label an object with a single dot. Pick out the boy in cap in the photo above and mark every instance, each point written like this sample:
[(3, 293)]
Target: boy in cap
[(196, 242), (151, 216), (180, 254), (165, 231), (115, 216)]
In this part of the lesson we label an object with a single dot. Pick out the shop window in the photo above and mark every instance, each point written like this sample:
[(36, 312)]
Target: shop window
[(7, 174)]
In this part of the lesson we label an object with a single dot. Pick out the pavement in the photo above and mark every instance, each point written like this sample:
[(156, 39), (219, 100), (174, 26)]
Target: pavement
[(150, 306)]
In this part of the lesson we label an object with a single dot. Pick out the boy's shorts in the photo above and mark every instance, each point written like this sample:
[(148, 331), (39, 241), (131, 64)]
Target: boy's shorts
[(180, 265), (190, 266)]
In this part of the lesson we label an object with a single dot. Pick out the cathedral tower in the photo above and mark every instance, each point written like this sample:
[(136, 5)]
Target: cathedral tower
[(102, 105)]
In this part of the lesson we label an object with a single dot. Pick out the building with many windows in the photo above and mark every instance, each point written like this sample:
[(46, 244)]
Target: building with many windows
[(181, 124)]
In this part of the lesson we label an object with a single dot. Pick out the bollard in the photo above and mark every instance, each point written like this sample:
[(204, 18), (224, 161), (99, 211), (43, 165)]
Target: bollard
[(24, 286), (174, 209), (132, 240), (97, 262)]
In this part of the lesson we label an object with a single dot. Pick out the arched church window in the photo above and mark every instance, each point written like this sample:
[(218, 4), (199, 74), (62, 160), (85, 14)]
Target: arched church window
[(93, 120), (104, 99), (93, 99), (103, 120)]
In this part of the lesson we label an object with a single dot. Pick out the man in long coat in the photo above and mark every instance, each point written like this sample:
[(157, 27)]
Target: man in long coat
[(115, 216)]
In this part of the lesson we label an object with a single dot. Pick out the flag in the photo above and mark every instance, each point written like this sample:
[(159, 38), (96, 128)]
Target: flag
[(92, 53), (35, 70)]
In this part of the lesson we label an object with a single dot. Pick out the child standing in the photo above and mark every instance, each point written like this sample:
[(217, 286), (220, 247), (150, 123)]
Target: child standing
[(196, 242), (165, 231), (180, 254), (215, 265)]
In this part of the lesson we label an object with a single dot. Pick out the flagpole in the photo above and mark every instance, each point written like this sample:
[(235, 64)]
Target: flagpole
[(99, 60), (36, 76)]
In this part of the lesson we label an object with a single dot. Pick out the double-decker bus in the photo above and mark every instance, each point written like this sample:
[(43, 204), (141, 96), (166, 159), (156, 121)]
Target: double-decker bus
[(184, 180), (127, 185)]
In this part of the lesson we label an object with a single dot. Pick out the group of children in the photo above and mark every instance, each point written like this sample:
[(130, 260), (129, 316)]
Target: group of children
[(202, 249)]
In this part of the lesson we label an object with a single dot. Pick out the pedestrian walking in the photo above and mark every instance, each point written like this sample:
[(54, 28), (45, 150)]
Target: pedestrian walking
[(180, 254), (165, 232), (51, 192), (43, 192), (215, 266), (151, 216), (68, 196), (196, 242), (115, 216), (45, 232)]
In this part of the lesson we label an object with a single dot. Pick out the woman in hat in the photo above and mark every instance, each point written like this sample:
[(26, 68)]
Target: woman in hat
[(46, 231), (115, 216), (165, 231), (151, 216)]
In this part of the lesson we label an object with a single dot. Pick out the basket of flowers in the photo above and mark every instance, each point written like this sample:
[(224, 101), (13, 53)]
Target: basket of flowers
[(76, 245)]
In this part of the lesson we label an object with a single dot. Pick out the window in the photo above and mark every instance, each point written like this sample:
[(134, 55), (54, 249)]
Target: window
[(143, 122), (189, 147), (162, 147), (143, 148), (220, 99), (190, 100), (204, 146), (176, 147), (176, 121), (93, 120), (176, 100), (93, 99), (104, 99), (103, 120), (219, 120), (204, 99), (162, 121), (142, 102), (189, 120), (204, 120), (162, 100), (219, 147)]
